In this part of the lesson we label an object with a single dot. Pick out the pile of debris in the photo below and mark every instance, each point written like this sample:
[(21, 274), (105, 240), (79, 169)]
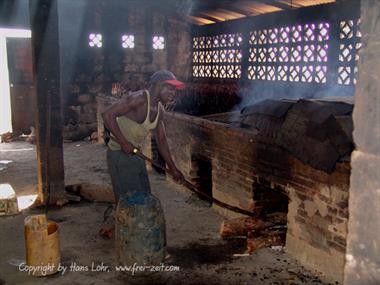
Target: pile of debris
[(80, 122), (260, 232), (11, 137)]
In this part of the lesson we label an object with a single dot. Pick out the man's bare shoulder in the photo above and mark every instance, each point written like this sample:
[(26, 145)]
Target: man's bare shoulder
[(136, 94), (134, 99), (132, 102)]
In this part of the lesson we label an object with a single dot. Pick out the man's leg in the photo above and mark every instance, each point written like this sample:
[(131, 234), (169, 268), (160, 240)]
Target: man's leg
[(132, 175), (128, 174), (115, 171), (113, 158)]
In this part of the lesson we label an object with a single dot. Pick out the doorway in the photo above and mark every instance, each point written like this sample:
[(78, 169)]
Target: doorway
[(16, 81)]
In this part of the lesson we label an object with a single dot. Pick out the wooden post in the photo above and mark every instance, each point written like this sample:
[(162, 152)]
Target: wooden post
[(46, 69)]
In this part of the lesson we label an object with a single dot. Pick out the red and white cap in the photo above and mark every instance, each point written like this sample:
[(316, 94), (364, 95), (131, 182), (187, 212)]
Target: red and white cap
[(167, 77)]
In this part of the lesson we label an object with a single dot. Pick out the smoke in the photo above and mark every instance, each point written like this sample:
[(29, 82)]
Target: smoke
[(185, 7), (259, 91)]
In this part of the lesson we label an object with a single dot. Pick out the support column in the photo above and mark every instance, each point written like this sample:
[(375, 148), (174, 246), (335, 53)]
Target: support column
[(46, 68), (363, 247)]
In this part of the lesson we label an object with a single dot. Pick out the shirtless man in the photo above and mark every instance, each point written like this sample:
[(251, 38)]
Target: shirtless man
[(129, 122)]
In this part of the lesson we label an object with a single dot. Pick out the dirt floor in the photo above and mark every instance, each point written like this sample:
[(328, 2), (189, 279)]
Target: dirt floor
[(194, 244)]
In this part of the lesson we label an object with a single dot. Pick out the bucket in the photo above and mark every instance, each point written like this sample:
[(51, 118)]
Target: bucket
[(41, 245), (140, 231)]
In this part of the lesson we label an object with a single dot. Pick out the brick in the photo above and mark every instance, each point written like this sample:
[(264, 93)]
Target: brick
[(226, 160), (343, 214), (304, 181), (340, 240), (328, 218), (318, 245), (343, 204), (226, 166), (331, 210), (302, 213), (337, 220), (300, 220), (299, 187), (324, 198), (244, 173), (322, 223), (302, 197), (337, 247)]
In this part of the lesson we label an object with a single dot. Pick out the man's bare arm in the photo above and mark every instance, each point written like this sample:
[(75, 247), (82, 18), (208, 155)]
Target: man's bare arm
[(117, 110), (164, 150)]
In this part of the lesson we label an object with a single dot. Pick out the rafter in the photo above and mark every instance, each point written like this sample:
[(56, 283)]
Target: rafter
[(235, 9), (275, 3), (210, 18), (198, 21), (204, 9), (211, 6)]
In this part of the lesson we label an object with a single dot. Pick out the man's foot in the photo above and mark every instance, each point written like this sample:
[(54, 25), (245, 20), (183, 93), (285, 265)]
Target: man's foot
[(107, 230), (107, 233)]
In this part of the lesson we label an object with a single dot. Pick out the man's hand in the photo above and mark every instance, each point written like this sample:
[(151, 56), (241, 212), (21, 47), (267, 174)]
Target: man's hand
[(178, 176), (127, 148)]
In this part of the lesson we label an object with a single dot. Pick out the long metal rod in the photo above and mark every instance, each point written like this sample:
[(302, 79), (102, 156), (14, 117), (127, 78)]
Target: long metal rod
[(194, 189)]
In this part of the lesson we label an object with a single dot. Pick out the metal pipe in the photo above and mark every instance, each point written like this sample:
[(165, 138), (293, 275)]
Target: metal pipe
[(194, 189)]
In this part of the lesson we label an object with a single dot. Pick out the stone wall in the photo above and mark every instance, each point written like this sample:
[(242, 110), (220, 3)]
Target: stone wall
[(363, 258), (242, 161), (113, 70), (205, 98)]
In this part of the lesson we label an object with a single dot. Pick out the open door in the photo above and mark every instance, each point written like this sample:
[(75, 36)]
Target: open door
[(22, 97)]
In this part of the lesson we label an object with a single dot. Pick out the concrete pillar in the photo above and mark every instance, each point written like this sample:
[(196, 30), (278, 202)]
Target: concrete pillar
[(363, 248), (46, 68)]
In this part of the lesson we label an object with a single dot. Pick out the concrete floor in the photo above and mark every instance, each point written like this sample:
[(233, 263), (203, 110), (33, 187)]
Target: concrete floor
[(192, 232)]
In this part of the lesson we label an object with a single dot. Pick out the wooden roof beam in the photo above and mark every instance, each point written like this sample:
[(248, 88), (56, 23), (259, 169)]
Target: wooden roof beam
[(275, 3), (235, 10), (210, 18)]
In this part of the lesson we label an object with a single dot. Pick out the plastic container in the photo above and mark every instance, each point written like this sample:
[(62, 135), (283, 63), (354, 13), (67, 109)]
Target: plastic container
[(42, 245), (140, 230)]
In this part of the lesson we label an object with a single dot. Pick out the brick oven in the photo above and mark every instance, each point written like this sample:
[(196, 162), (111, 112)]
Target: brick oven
[(291, 156)]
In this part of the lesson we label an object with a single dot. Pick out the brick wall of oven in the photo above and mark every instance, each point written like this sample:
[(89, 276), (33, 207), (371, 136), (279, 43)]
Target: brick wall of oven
[(241, 159)]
